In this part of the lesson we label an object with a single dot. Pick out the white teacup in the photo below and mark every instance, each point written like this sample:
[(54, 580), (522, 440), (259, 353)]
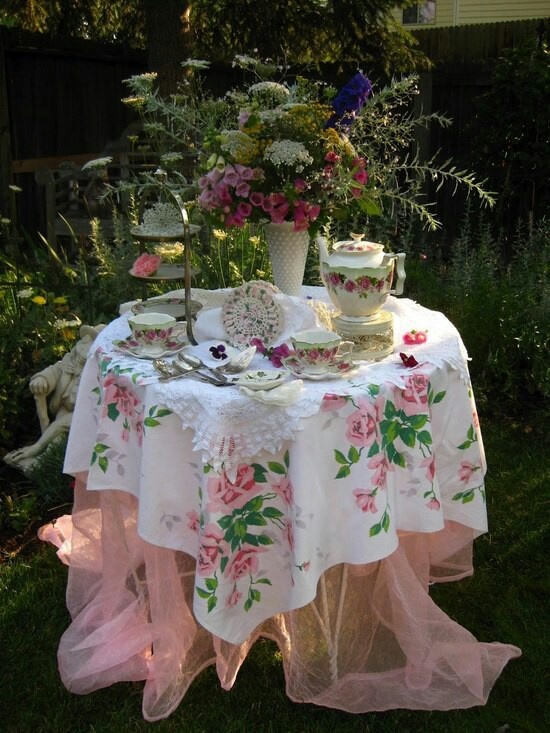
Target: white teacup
[(152, 331), (318, 350)]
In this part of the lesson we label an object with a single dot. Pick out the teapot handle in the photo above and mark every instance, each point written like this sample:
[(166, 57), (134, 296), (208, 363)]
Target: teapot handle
[(401, 276)]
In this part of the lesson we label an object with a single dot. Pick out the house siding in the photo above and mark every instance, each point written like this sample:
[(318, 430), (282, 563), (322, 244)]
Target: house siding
[(462, 12)]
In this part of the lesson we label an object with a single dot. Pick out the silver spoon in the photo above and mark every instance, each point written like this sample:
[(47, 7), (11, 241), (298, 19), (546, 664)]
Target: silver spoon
[(238, 363), (197, 363)]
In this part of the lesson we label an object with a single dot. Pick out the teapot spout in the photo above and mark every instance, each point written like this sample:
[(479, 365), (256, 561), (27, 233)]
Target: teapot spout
[(323, 250)]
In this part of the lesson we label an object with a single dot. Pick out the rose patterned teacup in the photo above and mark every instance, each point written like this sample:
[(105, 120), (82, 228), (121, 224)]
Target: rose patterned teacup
[(151, 331), (318, 350)]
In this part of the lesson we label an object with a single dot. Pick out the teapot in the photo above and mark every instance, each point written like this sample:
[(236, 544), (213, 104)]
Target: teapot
[(358, 275)]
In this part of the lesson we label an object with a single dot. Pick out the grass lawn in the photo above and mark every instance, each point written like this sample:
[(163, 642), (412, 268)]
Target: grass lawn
[(506, 600)]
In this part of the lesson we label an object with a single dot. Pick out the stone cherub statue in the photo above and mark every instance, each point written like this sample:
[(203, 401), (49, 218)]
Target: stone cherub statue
[(59, 382)]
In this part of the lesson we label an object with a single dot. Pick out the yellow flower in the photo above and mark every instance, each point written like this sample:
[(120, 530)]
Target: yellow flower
[(60, 300), (255, 240), (39, 300), (219, 234)]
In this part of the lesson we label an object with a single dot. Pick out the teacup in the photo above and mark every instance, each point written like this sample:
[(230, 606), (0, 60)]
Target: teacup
[(152, 331), (318, 350)]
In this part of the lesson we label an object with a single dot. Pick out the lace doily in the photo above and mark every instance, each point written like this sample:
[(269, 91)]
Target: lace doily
[(250, 311)]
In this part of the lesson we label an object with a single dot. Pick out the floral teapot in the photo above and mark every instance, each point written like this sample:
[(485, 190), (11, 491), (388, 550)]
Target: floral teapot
[(358, 275)]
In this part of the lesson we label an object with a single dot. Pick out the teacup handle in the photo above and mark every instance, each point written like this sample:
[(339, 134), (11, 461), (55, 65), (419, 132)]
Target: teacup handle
[(401, 275), (345, 348)]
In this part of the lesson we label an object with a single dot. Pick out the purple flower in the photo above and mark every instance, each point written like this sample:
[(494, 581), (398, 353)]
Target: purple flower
[(350, 100)]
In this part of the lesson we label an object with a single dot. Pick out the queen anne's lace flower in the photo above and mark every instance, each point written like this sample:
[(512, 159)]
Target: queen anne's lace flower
[(290, 153)]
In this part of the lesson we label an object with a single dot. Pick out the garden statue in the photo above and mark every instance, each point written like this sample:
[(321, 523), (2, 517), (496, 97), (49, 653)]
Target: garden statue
[(60, 383)]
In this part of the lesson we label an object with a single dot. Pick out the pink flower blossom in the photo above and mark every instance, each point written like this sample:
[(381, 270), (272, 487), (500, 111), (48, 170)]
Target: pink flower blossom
[(244, 562), (332, 402), (429, 464), (226, 495), (365, 500), (332, 157), (231, 177), (300, 185), (146, 264), (433, 504), (361, 424), (381, 466), (466, 471), (194, 521), (233, 598), (125, 400), (415, 394), (257, 198), (211, 550), (284, 489), (242, 190)]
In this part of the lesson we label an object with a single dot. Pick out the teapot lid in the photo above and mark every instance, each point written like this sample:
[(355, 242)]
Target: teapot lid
[(357, 244)]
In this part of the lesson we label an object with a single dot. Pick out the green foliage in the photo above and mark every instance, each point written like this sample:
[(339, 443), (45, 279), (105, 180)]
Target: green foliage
[(499, 303), (510, 137)]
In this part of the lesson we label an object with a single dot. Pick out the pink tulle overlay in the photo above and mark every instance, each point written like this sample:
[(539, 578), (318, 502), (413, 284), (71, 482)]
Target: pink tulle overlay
[(372, 639)]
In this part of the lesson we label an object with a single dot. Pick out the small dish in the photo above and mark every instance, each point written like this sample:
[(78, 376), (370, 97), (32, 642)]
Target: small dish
[(169, 306), (175, 343), (337, 370), (261, 379), (166, 271)]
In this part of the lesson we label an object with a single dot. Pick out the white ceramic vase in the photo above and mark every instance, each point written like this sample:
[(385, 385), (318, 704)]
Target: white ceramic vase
[(288, 253)]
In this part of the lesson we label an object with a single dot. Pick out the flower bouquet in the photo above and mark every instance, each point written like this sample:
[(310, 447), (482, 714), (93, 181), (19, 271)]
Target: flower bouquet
[(288, 157)]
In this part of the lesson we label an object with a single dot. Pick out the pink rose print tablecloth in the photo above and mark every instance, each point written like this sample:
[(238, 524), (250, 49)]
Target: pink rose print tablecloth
[(183, 552)]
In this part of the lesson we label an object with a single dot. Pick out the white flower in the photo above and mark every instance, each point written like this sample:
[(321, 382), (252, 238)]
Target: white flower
[(97, 163), (171, 157), (269, 92), (288, 152), (25, 293), (14, 188), (61, 323), (196, 64)]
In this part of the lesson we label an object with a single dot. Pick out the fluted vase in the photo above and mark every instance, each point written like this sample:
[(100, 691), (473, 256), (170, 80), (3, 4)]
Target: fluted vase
[(288, 253)]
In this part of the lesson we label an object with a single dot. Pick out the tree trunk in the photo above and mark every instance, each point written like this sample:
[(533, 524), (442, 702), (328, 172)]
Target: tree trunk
[(167, 35)]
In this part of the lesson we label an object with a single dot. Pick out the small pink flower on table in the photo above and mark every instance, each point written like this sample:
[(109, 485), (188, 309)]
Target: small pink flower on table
[(146, 265), (415, 337)]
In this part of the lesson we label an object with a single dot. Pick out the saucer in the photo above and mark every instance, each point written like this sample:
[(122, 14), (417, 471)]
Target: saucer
[(169, 306), (261, 379), (128, 346), (333, 371)]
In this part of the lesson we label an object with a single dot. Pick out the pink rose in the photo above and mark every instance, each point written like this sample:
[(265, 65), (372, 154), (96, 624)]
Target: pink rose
[(233, 598), (415, 394), (466, 471), (429, 464), (332, 402), (146, 265), (227, 495), (361, 424), (365, 500), (284, 489), (125, 400), (244, 562), (381, 466), (211, 550), (194, 521)]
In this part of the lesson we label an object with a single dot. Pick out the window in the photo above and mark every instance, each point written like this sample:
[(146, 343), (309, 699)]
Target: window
[(420, 13)]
